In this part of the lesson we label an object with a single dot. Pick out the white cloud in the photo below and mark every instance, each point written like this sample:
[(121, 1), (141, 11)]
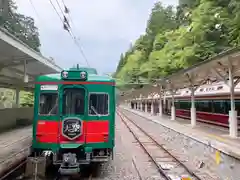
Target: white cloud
[(105, 27)]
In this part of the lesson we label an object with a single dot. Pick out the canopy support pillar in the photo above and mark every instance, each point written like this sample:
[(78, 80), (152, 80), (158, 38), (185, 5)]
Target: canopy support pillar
[(145, 107), (233, 125), (173, 110), (193, 108), (152, 107), (160, 103)]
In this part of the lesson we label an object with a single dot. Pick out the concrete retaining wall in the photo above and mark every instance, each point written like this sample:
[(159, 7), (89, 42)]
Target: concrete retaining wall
[(14, 117)]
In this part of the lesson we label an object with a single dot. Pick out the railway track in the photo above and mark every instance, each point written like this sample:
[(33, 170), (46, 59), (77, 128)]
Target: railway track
[(20, 157), (167, 164), (17, 172)]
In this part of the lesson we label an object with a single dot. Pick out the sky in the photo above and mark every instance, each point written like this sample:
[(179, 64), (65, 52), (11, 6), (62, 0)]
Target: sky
[(104, 29)]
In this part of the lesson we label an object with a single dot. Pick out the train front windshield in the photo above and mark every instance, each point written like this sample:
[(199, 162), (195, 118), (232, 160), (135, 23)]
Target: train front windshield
[(73, 101)]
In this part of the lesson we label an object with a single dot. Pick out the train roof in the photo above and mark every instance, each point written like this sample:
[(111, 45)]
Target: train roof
[(92, 76)]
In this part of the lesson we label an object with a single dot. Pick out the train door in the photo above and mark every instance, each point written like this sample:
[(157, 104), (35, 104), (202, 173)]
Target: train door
[(73, 108)]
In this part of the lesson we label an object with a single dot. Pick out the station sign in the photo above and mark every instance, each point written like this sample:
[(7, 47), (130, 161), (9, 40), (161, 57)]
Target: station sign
[(49, 87)]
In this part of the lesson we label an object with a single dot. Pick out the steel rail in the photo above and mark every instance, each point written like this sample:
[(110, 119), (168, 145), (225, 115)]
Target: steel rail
[(123, 115)]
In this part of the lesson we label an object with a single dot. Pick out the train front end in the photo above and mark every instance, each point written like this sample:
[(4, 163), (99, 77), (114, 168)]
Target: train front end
[(74, 119)]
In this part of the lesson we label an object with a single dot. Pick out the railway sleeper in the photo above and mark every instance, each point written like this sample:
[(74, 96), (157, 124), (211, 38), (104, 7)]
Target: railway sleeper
[(36, 167)]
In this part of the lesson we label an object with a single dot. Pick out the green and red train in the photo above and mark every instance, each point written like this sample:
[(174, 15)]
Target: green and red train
[(74, 118)]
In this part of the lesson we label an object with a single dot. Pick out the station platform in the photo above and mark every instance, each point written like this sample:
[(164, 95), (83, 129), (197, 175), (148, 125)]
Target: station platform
[(14, 147), (216, 137)]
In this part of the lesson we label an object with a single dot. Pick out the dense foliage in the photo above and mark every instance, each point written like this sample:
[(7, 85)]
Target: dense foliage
[(177, 38), (20, 26), (27, 100)]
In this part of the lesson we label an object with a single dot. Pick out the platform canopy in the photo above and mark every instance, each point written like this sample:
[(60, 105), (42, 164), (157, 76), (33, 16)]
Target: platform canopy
[(143, 92), (214, 69), (19, 64)]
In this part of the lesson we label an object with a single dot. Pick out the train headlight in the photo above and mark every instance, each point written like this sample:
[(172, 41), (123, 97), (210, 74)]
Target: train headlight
[(83, 75), (64, 74)]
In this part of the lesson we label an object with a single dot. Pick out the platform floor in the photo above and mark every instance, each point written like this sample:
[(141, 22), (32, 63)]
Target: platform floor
[(14, 146), (217, 137)]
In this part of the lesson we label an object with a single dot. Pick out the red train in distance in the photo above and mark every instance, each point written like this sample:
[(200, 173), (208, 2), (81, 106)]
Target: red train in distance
[(212, 104)]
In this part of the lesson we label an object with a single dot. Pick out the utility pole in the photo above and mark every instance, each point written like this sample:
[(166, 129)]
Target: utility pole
[(3, 10)]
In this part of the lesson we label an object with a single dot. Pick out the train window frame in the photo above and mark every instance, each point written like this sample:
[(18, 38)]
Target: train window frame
[(237, 101), (57, 99), (63, 102), (198, 103), (99, 93), (186, 103), (214, 102)]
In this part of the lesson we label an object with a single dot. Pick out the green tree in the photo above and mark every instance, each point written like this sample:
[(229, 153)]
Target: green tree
[(177, 40), (27, 100), (21, 26)]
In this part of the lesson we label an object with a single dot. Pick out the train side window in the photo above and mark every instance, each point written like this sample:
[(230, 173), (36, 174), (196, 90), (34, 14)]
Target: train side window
[(48, 104), (185, 105), (227, 106), (177, 104), (219, 107), (204, 106), (98, 104), (237, 106)]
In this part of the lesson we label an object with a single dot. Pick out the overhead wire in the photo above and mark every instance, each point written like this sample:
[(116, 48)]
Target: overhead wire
[(75, 39), (56, 10), (66, 24), (67, 11), (35, 10), (69, 29)]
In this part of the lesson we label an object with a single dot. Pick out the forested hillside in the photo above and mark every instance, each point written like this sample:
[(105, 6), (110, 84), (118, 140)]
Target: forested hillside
[(178, 37)]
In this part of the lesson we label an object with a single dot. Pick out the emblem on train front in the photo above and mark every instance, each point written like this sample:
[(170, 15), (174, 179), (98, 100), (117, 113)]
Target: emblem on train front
[(72, 128)]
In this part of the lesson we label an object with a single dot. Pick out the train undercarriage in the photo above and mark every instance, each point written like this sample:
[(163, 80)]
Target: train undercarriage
[(66, 162)]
